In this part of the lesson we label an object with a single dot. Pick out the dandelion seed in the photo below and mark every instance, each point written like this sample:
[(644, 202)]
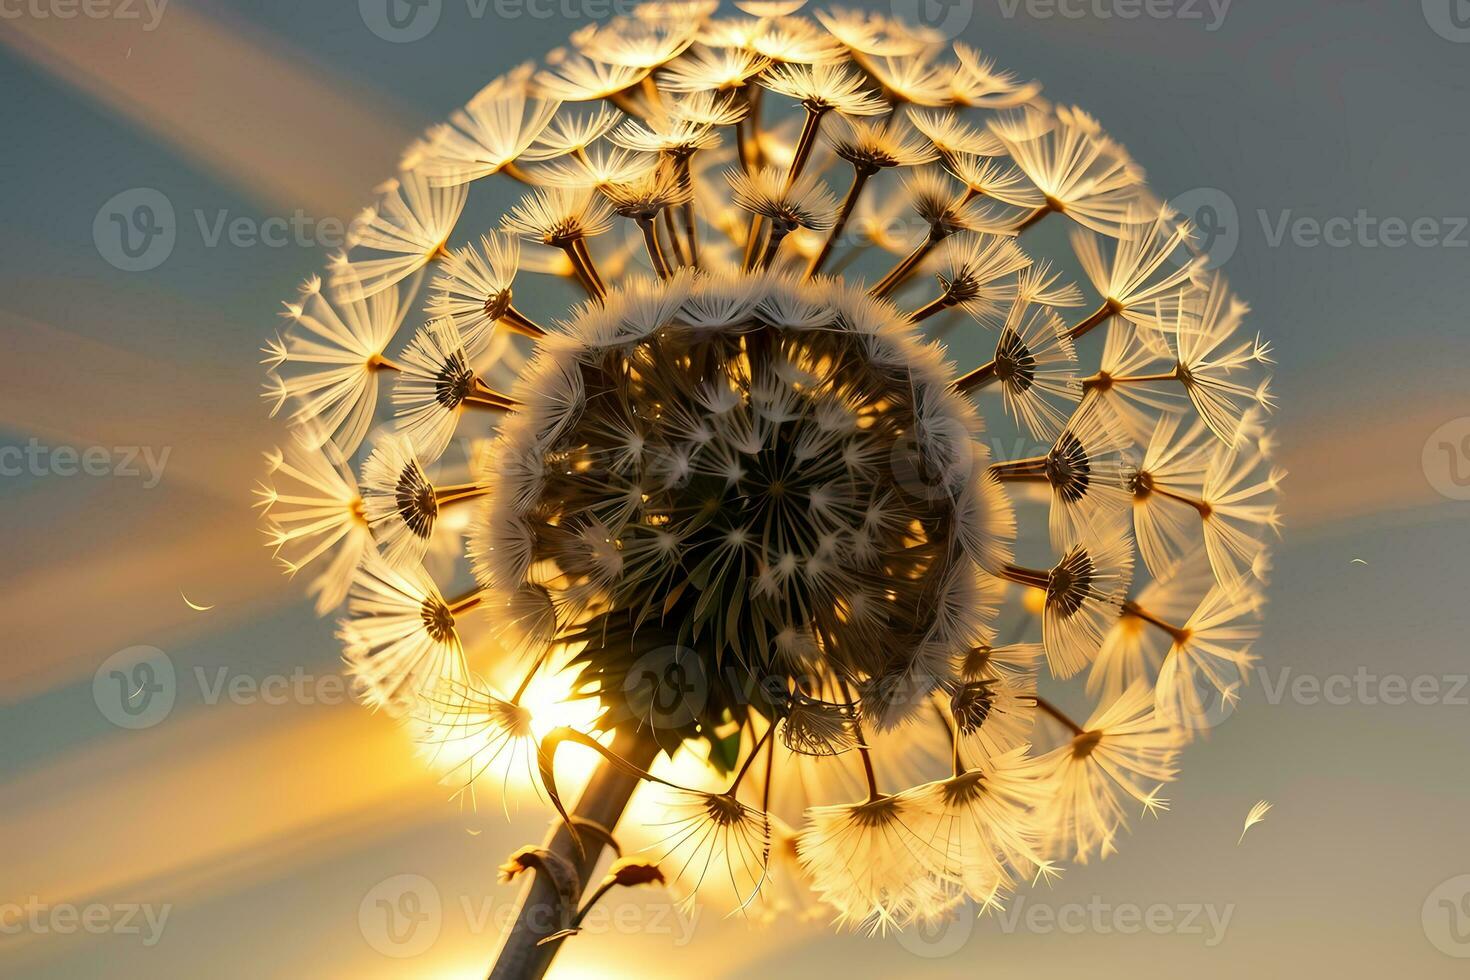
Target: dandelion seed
[(412, 224), (1256, 815)]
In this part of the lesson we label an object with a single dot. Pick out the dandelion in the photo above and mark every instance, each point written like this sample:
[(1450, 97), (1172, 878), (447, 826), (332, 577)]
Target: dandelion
[(399, 638), (474, 732), (498, 126), (1081, 174), (412, 223), (401, 504), (738, 500), (436, 384), (1210, 368), (328, 361), (1131, 284), (1125, 751), (1209, 656), (981, 822), (313, 510), (473, 289)]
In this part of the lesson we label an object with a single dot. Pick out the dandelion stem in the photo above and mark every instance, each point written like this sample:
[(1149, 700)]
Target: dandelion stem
[(1031, 469), (804, 143), (1033, 577), (484, 396), (1035, 216), (864, 752), (675, 245), (754, 751), (978, 378), (517, 322), (576, 250), (773, 244), (1102, 381), (592, 900), (691, 228), (900, 272), (1059, 715), (937, 305), (859, 178), (1100, 315), (522, 955), (458, 491), (655, 251), (463, 604), (511, 170), (380, 363), (1202, 506), (1179, 634)]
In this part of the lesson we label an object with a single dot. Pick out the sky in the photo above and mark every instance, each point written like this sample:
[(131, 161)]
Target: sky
[(257, 824)]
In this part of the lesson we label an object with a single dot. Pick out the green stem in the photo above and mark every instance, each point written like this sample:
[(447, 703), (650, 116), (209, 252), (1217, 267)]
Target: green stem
[(522, 955)]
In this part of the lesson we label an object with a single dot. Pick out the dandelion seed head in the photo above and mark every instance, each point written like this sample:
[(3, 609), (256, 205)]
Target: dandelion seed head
[(747, 495)]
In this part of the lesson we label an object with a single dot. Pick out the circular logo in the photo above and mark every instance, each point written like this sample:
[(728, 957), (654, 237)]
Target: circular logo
[(135, 229), (1446, 459), (947, 18), (937, 939), (1450, 19), (667, 687), (931, 463), (400, 21), (136, 687), (1446, 917), (1216, 222), (401, 916)]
